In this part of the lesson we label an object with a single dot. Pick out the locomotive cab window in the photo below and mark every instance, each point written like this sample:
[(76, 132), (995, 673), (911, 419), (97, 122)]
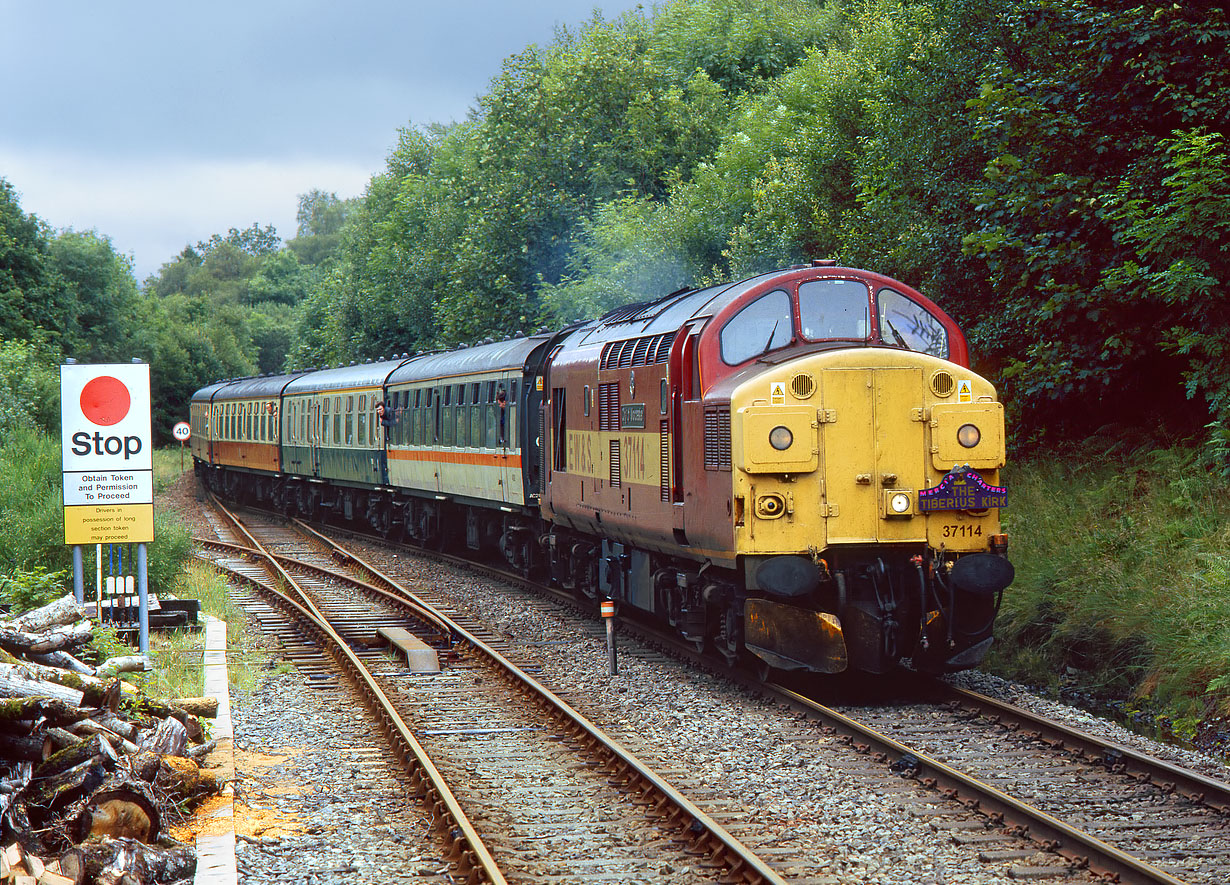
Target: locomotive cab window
[(908, 324), (833, 309), (759, 327)]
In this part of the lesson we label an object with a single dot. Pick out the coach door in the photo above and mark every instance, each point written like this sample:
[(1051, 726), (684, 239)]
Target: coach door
[(314, 431)]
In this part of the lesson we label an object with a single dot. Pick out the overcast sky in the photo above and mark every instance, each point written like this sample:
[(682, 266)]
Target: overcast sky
[(160, 123)]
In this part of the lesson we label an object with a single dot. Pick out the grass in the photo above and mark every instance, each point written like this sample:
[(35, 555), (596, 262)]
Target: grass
[(1123, 578), (177, 655)]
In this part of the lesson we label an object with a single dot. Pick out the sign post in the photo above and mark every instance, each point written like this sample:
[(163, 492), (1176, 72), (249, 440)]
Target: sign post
[(106, 449), (608, 615), (182, 432)]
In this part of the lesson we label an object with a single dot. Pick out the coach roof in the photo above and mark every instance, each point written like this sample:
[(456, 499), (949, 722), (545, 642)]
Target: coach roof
[(496, 357), (343, 377)]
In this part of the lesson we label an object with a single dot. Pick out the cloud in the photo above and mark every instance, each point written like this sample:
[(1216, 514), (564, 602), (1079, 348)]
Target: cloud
[(152, 209)]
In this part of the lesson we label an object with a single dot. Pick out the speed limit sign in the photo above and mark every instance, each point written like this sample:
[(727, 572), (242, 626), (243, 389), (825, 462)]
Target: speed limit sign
[(182, 431)]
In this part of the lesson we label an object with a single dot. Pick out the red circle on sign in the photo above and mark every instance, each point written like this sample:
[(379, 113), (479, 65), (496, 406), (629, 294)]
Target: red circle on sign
[(105, 400)]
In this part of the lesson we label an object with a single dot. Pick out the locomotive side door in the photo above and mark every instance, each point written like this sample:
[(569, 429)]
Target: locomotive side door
[(685, 420)]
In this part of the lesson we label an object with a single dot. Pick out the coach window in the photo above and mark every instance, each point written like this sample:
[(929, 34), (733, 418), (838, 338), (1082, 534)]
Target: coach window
[(759, 327), (446, 420), (511, 439), (833, 309), (463, 426), (476, 424), (907, 324)]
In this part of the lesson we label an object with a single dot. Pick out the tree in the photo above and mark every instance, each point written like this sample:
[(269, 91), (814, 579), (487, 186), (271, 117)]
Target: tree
[(31, 294), (101, 303), (1101, 220)]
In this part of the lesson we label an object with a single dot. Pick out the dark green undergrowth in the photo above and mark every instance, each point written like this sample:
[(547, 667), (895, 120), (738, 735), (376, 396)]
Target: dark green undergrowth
[(1122, 586)]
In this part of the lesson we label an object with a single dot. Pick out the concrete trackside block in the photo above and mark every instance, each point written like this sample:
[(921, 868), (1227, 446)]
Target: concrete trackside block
[(420, 657)]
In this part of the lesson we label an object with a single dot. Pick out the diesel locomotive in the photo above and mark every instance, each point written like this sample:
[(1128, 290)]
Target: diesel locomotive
[(799, 468)]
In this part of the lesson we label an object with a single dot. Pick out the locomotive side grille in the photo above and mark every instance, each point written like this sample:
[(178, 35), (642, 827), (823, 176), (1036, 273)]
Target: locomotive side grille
[(664, 450), (724, 439), (636, 351), (717, 439), (616, 469), (542, 452), (663, 350), (608, 406)]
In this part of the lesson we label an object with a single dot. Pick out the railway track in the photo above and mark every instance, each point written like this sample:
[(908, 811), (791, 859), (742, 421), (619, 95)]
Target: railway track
[(1037, 785), (1117, 811), (1016, 788), (525, 788)]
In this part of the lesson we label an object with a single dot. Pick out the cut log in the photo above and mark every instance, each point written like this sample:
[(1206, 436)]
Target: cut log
[(46, 673), (64, 661), (205, 707), (124, 664), (144, 764), (200, 751), (64, 610), (14, 711), (168, 739), (110, 860), (72, 865), (164, 709), (183, 779), (103, 695), (124, 808), (87, 727), (51, 640), (35, 748), (122, 727), (16, 683), (68, 776)]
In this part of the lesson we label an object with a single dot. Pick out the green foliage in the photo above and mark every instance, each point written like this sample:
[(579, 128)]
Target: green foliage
[(24, 591), (1121, 584), (29, 387), (1102, 217), (31, 502)]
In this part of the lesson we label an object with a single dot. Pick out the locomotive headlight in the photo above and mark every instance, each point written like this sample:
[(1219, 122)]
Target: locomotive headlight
[(968, 435), (899, 502), (781, 438)]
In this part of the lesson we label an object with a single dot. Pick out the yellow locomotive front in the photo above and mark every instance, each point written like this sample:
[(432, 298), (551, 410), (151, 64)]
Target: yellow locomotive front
[(866, 495), (865, 459)]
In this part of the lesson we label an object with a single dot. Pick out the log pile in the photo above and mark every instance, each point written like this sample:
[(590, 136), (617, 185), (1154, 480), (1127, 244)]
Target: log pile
[(90, 770)]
